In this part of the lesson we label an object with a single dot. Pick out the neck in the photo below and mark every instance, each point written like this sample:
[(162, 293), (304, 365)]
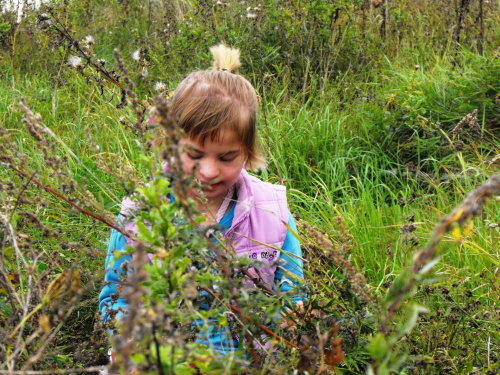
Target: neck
[(209, 207), (212, 205)]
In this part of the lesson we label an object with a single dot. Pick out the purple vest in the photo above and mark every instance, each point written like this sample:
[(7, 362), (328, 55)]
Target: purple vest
[(257, 231)]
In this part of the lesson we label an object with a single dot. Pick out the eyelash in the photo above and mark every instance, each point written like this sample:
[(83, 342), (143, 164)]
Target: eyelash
[(193, 157)]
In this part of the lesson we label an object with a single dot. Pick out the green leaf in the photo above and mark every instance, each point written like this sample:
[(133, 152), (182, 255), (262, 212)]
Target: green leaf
[(42, 266), (8, 252), (394, 366), (184, 369), (222, 319), (6, 308), (138, 358), (428, 266), (397, 287), (4, 27), (412, 320), (378, 346), (144, 232)]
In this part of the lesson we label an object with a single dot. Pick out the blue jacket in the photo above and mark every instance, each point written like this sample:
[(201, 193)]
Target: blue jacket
[(216, 337)]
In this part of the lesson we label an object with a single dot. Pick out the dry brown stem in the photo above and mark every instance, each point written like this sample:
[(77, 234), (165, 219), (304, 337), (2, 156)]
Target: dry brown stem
[(470, 208)]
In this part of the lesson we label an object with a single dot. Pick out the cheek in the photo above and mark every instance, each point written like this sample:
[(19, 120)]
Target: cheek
[(233, 173), (187, 164)]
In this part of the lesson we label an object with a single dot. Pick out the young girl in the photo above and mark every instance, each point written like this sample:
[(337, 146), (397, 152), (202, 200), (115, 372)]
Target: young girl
[(217, 110)]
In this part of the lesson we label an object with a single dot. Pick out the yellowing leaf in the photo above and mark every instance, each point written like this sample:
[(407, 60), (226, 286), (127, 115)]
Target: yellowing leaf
[(45, 323), (456, 234), (13, 279), (67, 282), (457, 215), (468, 228)]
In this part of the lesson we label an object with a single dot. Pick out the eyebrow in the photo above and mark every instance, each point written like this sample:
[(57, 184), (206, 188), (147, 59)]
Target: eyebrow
[(232, 152)]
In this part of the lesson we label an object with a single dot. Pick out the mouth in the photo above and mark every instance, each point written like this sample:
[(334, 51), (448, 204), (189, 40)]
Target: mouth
[(211, 187)]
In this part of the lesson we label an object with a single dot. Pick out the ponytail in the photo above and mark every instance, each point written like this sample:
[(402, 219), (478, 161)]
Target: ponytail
[(225, 58)]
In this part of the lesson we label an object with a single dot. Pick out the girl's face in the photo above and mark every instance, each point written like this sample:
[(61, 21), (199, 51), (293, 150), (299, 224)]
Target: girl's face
[(219, 163)]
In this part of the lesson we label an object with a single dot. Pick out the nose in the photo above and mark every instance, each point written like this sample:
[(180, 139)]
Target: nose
[(208, 170)]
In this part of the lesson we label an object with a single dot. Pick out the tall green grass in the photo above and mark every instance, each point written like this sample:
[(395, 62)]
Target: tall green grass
[(370, 144), (335, 159)]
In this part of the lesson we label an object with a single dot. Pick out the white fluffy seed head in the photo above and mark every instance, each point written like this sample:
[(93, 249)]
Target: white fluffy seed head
[(89, 39), (160, 87), (136, 55), (74, 61)]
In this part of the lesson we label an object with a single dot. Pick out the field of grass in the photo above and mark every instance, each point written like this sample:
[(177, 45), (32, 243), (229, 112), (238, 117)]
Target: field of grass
[(361, 117)]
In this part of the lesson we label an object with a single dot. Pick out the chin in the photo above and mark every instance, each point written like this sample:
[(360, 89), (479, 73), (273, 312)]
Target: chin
[(214, 193)]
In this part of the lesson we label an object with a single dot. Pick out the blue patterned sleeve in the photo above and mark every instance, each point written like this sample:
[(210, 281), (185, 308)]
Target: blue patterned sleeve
[(112, 275), (291, 256)]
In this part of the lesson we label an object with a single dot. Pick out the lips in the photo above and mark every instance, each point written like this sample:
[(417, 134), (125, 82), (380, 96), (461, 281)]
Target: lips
[(211, 187)]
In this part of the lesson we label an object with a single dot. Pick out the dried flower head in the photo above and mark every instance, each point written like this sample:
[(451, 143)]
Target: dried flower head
[(89, 39), (136, 55), (160, 87), (74, 61), (471, 120), (144, 73), (251, 16), (43, 21), (67, 282)]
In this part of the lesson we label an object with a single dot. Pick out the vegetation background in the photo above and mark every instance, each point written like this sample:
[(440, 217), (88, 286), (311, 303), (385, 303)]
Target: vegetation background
[(379, 116)]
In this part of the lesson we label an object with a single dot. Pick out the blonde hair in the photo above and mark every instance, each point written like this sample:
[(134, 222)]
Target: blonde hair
[(210, 101)]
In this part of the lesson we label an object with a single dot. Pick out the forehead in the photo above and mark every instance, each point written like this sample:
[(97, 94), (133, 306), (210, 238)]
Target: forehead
[(226, 141)]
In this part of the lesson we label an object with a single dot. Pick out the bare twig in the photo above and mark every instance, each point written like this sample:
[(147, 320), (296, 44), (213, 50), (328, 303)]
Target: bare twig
[(59, 195), (480, 41), (239, 312)]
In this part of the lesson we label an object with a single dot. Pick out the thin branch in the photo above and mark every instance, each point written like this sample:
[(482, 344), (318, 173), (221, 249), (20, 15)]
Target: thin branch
[(59, 195), (158, 356), (238, 311)]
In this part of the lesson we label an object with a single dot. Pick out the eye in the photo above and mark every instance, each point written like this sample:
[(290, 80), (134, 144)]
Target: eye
[(194, 156), (227, 159)]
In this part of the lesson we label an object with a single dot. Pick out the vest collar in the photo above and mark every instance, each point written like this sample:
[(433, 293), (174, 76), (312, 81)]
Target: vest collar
[(245, 199)]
